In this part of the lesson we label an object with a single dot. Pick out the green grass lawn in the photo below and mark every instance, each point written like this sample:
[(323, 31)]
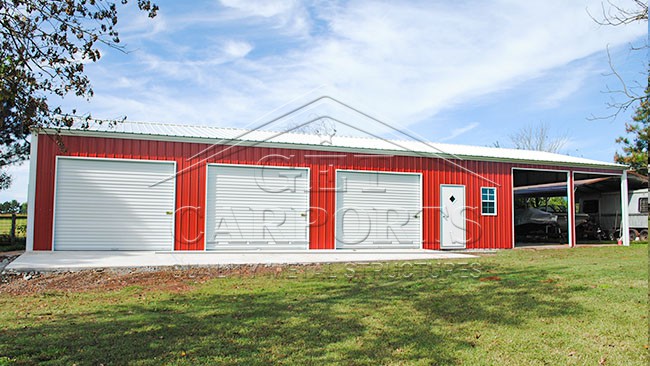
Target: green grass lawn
[(584, 306)]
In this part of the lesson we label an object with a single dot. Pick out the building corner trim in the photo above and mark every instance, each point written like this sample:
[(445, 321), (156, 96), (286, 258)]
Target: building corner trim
[(31, 192)]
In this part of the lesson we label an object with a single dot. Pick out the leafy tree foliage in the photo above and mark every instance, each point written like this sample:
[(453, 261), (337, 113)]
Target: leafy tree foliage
[(538, 202), (10, 207), (43, 47), (635, 145)]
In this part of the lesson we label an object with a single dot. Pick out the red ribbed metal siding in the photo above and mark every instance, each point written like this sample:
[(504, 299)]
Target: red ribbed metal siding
[(485, 232)]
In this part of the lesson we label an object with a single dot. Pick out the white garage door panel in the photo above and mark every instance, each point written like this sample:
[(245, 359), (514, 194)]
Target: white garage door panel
[(263, 208), (378, 210), (113, 205)]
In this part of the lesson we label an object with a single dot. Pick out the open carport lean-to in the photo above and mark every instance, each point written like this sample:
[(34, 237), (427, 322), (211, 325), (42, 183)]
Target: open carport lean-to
[(573, 207)]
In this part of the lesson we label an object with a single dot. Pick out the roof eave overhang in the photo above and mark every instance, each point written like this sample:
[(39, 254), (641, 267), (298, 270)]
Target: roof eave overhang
[(329, 148)]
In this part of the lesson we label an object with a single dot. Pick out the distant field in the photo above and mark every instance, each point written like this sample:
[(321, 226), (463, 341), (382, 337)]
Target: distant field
[(5, 225)]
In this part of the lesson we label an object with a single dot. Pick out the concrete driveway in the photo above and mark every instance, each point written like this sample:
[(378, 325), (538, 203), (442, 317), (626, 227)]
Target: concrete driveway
[(60, 261)]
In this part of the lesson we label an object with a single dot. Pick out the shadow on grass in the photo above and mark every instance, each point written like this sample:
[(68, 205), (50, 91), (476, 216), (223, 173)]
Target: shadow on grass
[(299, 322)]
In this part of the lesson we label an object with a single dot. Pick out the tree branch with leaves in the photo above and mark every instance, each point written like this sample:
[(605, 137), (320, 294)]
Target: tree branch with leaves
[(43, 48)]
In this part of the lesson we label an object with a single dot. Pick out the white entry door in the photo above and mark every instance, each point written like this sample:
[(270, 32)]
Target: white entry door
[(380, 210), (114, 204), (452, 217), (257, 207)]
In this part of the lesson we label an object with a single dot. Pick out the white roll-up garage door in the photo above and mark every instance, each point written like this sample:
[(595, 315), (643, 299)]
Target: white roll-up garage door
[(378, 210), (253, 207), (113, 204)]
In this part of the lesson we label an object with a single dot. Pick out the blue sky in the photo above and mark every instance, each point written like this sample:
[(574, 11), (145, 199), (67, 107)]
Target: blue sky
[(466, 72)]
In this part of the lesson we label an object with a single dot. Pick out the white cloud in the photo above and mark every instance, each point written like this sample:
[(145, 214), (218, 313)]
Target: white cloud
[(237, 49), (138, 25), (20, 180), (404, 62), (263, 8), (563, 91), (561, 85), (459, 131), (287, 15)]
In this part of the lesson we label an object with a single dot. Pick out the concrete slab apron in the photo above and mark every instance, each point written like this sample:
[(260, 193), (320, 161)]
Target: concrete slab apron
[(57, 261)]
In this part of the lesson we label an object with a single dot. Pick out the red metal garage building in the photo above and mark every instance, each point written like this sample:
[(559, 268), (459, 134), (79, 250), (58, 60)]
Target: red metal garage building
[(147, 186)]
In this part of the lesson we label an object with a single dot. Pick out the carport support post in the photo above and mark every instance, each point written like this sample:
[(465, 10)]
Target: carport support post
[(625, 216)]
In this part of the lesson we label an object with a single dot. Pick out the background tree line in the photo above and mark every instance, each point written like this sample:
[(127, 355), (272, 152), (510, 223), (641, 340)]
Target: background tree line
[(13, 207)]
